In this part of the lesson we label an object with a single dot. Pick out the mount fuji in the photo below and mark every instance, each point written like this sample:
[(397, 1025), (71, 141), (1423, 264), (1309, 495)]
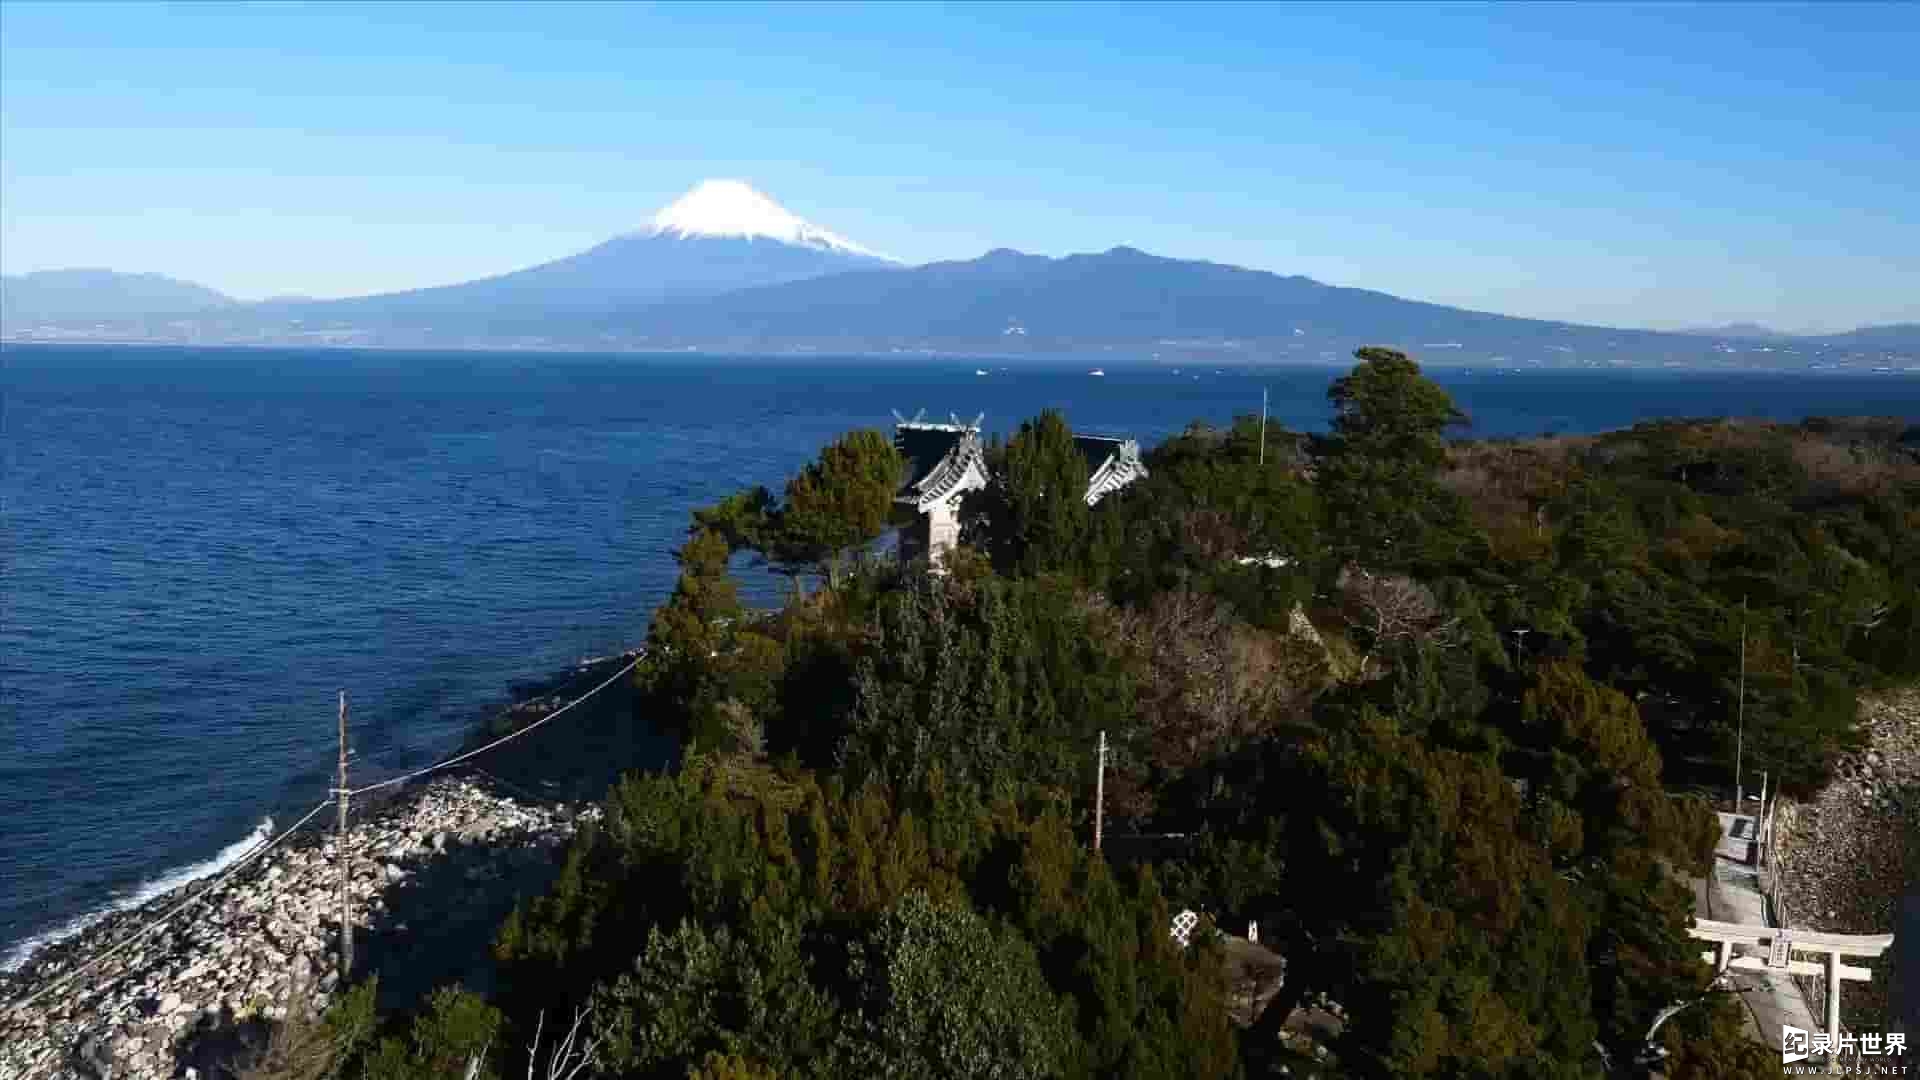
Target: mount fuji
[(732, 209), (720, 236), (724, 267)]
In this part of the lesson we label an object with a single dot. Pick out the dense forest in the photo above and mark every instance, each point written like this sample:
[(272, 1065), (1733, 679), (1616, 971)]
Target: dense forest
[(1445, 718)]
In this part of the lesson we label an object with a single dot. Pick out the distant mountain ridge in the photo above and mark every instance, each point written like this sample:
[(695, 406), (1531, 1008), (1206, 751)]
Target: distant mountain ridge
[(726, 267), (104, 294), (1124, 296), (633, 269), (1120, 295), (1890, 336), (720, 236), (1741, 330)]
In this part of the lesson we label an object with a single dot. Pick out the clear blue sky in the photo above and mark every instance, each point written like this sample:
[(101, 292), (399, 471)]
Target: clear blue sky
[(1652, 165)]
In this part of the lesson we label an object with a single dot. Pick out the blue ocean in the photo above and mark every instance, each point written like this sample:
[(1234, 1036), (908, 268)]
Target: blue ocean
[(200, 548)]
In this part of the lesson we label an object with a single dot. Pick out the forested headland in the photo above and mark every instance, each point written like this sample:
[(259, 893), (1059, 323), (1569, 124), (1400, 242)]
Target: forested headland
[(1446, 718)]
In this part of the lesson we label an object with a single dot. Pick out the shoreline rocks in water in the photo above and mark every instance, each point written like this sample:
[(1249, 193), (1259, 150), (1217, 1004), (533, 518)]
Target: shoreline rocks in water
[(1848, 857), (253, 946)]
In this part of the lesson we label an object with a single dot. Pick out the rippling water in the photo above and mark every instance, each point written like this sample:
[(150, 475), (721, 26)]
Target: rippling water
[(202, 546)]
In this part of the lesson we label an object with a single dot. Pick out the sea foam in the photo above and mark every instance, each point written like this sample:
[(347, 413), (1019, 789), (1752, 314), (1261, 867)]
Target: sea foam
[(140, 895)]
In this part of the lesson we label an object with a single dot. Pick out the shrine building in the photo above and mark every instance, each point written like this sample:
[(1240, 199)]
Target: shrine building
[(947, 461)]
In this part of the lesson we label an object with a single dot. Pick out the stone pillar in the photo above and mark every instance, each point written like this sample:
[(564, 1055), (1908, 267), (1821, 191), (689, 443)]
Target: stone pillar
[(943, 531)]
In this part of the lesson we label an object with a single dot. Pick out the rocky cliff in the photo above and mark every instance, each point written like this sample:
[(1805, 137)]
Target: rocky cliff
[(1848, 858)]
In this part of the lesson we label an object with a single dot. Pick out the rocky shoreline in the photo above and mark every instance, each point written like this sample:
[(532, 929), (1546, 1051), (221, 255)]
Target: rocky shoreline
[(1849, 858), (440, 853), (259, 943)]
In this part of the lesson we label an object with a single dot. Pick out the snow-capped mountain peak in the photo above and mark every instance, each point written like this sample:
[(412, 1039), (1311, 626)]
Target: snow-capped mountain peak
[(733, 208)]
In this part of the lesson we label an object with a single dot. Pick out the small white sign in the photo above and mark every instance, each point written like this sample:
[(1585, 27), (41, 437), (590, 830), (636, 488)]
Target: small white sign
[(1183, 925), (1780, 952)]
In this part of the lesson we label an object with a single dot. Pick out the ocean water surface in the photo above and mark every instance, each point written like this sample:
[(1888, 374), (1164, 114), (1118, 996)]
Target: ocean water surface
[(199, 548)]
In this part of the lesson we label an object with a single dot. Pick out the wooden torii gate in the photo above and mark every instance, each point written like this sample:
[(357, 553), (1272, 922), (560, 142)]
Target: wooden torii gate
[(1781, 944)]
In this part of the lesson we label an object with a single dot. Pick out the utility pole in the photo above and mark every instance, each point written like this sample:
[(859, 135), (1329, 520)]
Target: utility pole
[(1740, 722), (340, 854), (1794, 671), (1263, 427), (1100, 792)]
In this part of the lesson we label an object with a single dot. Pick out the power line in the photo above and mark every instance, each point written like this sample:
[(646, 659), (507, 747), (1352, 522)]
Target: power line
[(340, 853), (404, 777), (1100, 792), (1740, 724)]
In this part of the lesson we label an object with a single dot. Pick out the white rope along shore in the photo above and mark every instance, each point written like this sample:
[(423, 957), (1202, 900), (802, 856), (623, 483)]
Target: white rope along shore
[(161, 920), (269, 844)]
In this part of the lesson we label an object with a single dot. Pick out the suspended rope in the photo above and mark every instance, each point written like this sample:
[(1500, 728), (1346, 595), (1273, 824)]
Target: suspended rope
[(457, 759), (204, 894), (267, 845)]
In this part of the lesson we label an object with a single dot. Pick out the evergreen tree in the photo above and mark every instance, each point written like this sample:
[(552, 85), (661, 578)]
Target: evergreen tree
[(1033, 518), (841, 501), (1378, 477), (689, 630), (940, 992)]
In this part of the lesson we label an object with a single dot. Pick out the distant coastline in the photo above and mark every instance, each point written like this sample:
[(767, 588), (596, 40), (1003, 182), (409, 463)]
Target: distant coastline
[(1134, 357)]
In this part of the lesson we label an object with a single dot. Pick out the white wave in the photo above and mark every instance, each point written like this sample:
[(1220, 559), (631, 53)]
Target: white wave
[(139, 895)]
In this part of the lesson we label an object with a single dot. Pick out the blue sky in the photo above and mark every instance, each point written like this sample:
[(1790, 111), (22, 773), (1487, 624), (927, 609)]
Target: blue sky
[(1630, 165)]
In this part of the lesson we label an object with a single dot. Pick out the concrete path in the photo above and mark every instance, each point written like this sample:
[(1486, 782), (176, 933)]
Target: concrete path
[(1732, 894)]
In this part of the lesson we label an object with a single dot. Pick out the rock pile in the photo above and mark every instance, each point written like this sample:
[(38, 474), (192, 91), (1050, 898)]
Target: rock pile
[(252, 946), (1847, 856)]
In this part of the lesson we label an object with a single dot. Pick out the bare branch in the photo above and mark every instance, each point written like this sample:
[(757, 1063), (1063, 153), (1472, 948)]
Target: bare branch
[(533, 1051), (570, 1057), (477, 1060), (1393, 607)]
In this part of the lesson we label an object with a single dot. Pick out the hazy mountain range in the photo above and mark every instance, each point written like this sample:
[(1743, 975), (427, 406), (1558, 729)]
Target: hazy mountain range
[(1741, 330), (726, 267), (82, 294)]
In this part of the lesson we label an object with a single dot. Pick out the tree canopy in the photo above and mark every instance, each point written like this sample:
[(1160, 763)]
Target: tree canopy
[(1033, 517), (1433, 713), (1379, 473), (841, 501)]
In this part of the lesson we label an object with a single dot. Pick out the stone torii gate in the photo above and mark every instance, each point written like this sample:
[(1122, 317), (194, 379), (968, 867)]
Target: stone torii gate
[(1781, 944)]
